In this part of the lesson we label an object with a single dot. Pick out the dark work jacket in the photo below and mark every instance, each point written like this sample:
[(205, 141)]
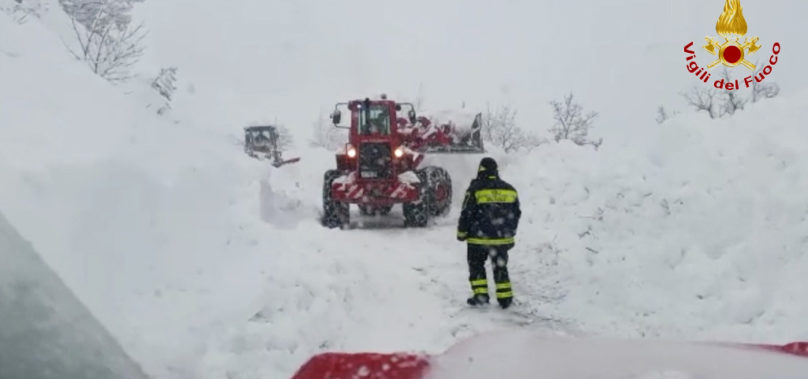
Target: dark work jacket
[(490, 214)]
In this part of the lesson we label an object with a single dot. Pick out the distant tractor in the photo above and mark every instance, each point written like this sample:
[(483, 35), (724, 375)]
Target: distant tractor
[(378, 167), (261, 142)]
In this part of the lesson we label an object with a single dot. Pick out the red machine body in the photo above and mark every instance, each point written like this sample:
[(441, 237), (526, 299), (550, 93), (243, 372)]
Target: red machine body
[(379, 166), (368, 187)]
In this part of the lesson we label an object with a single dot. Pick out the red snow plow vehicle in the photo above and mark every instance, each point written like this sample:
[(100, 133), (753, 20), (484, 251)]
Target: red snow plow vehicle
[(378, 167)]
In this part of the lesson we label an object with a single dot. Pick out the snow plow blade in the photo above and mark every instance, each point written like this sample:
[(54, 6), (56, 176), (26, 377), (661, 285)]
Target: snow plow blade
[(794, 348), (279, 163), (447, 132), (363, 365)]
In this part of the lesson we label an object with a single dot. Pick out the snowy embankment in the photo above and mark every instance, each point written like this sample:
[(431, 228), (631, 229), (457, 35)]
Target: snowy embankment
[(695, 228), (204, 263)]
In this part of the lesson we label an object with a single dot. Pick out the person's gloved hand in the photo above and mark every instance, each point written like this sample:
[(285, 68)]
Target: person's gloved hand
[(461, 236)]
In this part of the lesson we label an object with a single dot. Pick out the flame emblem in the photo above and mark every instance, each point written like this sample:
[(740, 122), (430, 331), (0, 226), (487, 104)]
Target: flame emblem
[(732, 26)]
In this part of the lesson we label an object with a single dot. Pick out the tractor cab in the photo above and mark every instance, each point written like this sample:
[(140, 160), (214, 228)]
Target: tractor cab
[(373, 117), (375, 148)]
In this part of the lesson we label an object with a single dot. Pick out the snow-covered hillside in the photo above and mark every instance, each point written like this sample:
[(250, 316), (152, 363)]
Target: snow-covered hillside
[(205, 263)]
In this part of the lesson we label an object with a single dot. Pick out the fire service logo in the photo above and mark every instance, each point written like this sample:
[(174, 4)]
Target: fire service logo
[(731, 52)]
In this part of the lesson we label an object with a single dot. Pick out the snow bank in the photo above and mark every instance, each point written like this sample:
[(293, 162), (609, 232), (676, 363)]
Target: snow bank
[(695, 227), (46, 332), (141, 218)]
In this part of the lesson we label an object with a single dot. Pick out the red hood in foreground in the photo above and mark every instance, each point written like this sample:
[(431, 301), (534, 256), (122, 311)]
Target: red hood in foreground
[(521, 354)]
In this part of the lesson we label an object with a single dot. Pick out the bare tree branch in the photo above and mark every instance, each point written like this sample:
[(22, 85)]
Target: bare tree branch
[(571, 123), (733, 101), (764, 91), (703, 99), (108, 43), (499, 128)]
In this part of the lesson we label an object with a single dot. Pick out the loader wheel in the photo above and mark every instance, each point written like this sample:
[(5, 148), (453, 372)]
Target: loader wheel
[(416, 213), (335, 213), (439, 190)]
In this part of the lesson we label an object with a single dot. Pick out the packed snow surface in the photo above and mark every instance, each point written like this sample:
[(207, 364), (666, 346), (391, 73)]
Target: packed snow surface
[(205, 263)]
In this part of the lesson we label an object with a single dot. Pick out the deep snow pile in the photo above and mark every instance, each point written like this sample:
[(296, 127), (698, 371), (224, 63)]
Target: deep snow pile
[(693, 228), (205, 263)]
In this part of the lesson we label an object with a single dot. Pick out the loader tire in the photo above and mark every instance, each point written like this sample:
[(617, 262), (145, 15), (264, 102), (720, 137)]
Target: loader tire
[(439, 190), (335, 213), (416, 213)]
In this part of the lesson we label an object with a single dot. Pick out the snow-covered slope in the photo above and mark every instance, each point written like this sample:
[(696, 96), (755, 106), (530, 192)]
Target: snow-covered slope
[(697, 228), (204, 263)]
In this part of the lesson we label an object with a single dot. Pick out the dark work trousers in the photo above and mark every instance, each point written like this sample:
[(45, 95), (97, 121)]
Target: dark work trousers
[(477, 255)]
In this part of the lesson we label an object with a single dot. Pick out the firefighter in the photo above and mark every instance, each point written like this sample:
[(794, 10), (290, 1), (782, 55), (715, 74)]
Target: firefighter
[(488, 223)]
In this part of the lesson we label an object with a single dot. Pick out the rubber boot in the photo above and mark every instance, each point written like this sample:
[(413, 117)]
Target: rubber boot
[(478, 300), (505, 302)]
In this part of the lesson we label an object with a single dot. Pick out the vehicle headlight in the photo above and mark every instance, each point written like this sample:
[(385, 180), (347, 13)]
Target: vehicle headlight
[(351, 152), (399, 152)]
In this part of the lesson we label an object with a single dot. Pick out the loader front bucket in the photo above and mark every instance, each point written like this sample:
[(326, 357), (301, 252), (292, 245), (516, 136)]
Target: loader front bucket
[(456, 136)]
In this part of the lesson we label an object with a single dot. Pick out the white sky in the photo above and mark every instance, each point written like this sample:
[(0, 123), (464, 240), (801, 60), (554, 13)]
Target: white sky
[(286, 60)]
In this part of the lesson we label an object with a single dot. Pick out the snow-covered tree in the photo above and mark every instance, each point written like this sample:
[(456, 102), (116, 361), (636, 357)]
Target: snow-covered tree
[(706, 99), (165, 85), (722, 103), (165, 81), (98, 15), (108, 41), (571, 123), (732, 101), (21, 11), (762, 91), (499, 128)]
